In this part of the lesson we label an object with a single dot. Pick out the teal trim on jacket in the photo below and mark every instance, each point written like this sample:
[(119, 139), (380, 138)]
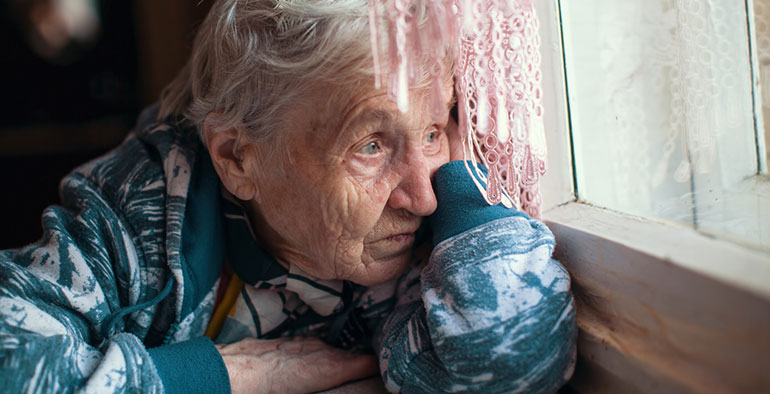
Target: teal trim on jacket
[(191, 366), (461, 206), (203, 235)]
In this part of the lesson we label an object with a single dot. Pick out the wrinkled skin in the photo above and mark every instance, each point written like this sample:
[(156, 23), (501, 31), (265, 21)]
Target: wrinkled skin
[(353, 192), (354, 188), (291, 365)]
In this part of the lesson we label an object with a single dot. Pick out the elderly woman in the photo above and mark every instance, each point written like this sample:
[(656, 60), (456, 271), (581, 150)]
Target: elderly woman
[(280, 204)]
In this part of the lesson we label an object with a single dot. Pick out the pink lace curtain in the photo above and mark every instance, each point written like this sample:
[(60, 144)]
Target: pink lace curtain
[(497, 80)]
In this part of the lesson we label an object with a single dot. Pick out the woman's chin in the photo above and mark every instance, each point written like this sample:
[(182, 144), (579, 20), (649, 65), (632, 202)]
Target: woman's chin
[(381, 270)]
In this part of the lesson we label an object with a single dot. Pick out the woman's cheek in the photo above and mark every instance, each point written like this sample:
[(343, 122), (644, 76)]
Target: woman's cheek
[(361, 201), (348, 213), (359, 210), (338, 212)]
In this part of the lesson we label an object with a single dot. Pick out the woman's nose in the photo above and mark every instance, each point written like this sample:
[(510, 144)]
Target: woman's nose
[(414, 193)]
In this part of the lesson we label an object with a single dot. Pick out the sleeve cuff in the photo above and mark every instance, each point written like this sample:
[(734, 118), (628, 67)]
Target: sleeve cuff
[(192, 366), (460, 205)]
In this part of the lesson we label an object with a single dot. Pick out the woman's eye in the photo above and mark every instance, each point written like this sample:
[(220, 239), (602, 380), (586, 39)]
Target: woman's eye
[(431, 137), (371, 148), (432, 141)]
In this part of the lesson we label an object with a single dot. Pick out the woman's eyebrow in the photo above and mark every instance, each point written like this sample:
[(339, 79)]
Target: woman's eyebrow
[(375, 115), (372, 116), (364, 120), (377, 118)]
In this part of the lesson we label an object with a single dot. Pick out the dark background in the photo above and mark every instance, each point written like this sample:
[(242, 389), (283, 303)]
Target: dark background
[(58, 112)]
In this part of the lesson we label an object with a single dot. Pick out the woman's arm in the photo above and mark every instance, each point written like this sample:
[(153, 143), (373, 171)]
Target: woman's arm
[(56, 296), (494, 311), (77, 306)]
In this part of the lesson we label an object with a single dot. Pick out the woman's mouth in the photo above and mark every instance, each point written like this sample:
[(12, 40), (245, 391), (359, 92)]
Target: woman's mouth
[(401, 238)]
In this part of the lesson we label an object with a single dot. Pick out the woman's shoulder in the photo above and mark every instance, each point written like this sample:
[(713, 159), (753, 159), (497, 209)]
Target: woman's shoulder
[(143, 180), (154, 155)]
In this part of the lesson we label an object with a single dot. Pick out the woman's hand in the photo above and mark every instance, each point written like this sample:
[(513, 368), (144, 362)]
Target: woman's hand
[(291, 365)]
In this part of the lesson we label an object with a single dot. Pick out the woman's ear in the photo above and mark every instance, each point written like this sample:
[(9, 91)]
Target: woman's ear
[(227, 148)]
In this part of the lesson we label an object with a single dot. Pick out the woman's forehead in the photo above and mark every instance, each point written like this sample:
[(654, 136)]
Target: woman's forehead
[(333, 117), (378, 104)]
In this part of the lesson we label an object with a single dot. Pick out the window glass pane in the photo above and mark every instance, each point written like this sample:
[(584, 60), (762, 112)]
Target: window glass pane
[(662, 115)]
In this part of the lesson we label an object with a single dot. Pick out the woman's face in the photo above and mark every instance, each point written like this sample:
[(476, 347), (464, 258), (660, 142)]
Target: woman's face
[(356, 187)]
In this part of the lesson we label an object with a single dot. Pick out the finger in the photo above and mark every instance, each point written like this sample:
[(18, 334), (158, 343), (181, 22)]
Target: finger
[(293, 365), (311, 365), (301, 345), (325, 360), (355, 366), (252, 346), (336, 370)]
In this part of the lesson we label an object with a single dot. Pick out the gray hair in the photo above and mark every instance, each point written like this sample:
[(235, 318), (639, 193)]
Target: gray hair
[(251, 59)]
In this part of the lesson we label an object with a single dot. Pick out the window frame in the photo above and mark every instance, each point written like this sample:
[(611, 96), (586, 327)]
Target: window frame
[(759, 122), (655, 301)]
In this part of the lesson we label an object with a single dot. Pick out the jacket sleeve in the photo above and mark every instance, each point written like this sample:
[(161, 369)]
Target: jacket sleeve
[(74, 306), (492, 311)]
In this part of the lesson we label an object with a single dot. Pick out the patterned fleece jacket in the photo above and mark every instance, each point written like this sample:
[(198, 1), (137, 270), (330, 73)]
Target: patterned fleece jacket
[(117, 294)]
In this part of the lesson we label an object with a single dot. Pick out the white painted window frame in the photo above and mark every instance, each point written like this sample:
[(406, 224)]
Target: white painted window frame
[(661, 307)]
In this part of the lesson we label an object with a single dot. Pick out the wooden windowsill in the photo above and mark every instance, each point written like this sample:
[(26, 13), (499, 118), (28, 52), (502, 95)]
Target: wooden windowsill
[(663, 308)]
